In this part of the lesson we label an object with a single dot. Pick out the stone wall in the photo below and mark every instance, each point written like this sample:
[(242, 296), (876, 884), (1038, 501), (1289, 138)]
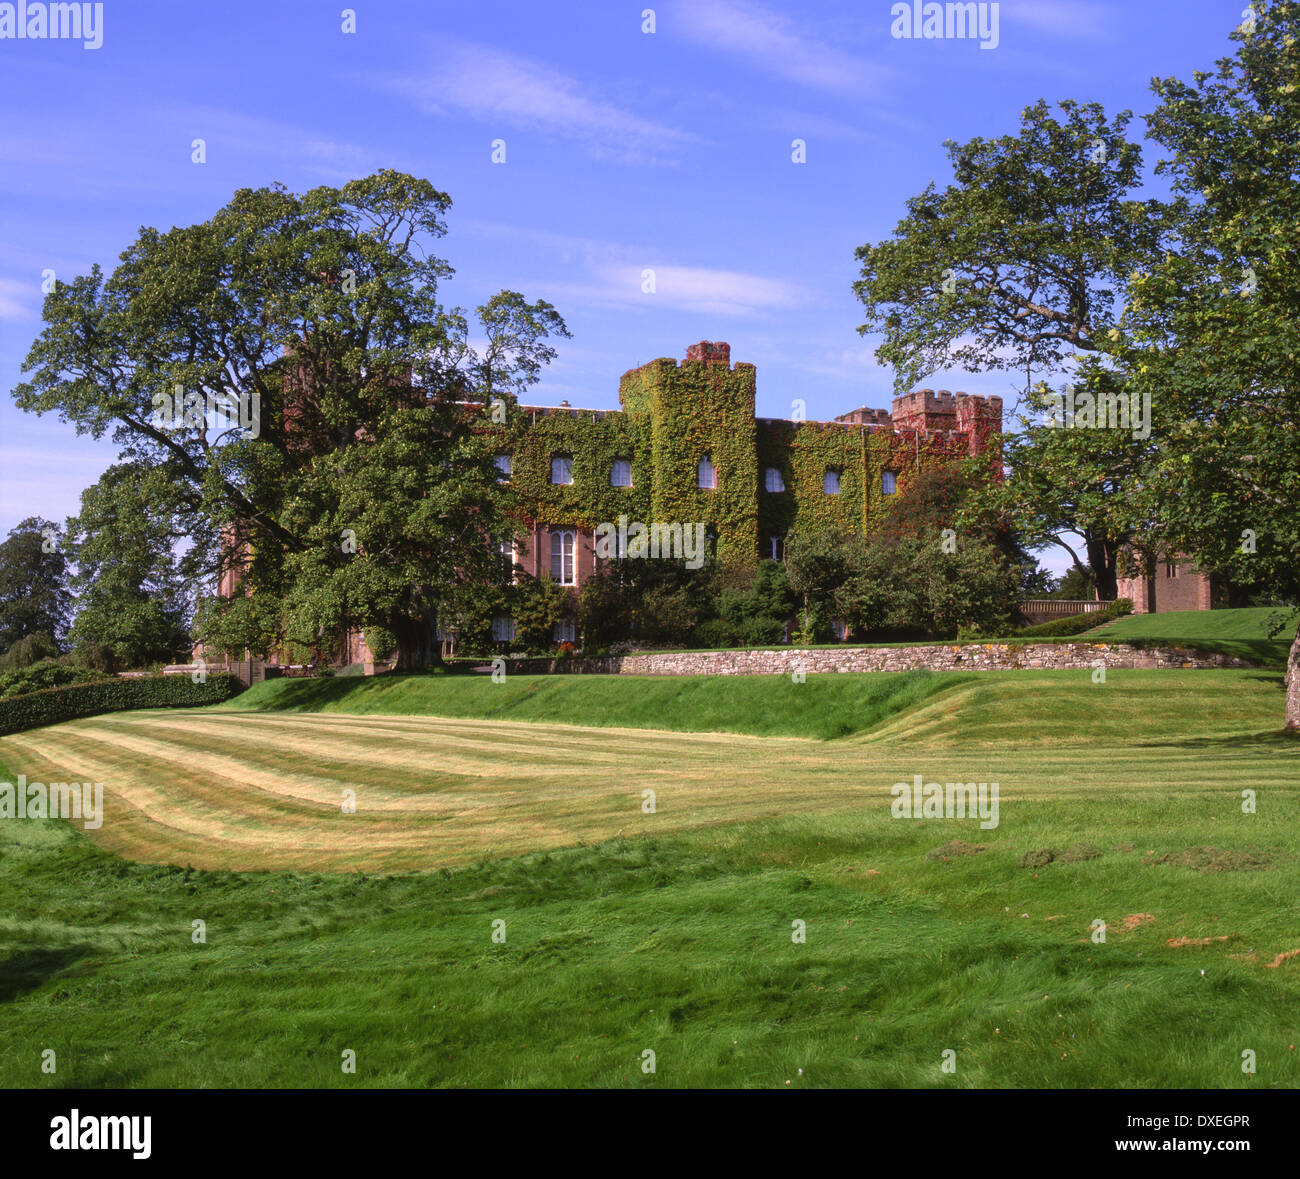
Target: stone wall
[(948, 657)]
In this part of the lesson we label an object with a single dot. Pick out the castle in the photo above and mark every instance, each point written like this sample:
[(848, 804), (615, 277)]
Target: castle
[(687, 447), (686, 450)]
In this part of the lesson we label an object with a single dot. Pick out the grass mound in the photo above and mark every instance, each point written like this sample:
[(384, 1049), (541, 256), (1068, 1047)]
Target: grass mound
[(1216, 859), (955, 848), (823, 707)]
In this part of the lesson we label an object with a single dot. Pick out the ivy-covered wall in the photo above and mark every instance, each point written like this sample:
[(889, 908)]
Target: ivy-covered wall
[(676, 413)]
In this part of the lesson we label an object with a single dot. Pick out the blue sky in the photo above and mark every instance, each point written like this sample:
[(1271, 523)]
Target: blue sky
[(624, 151)]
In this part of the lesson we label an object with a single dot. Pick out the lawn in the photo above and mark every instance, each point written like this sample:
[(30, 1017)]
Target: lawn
[(1247, 633), (670, 931)]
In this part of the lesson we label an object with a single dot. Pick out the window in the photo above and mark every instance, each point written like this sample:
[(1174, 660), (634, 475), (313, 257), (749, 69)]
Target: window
[(562, 469), (1171, 569), (776, 548), (889, 482), (708, 479), (562, 544), (503, 464), (506, 551), (563, 631), (503, 628), (621, 474), (773, 481), (839, 630), (831, 482)]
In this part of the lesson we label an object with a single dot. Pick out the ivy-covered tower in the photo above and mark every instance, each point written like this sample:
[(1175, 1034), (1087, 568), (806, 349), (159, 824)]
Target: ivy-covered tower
[(699, 419)]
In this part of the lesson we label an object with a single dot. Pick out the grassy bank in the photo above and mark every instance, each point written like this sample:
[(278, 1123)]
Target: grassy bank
[(670, 931), (824, 706)]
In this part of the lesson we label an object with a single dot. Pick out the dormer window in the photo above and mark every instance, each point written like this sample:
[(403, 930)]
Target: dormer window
[(708, 476), (562, 469)]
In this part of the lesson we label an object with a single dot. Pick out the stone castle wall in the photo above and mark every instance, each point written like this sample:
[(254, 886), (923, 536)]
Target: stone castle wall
[(946, 657)]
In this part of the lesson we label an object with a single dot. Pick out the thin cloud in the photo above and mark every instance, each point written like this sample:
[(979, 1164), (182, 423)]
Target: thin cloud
[(513, 91), (777, 45)]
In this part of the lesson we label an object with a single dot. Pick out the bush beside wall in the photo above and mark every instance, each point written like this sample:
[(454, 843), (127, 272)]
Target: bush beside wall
[(51, 706)]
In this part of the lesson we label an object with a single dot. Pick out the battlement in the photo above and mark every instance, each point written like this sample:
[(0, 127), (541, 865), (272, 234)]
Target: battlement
[(710, 353), (929, 410), (866, 417)]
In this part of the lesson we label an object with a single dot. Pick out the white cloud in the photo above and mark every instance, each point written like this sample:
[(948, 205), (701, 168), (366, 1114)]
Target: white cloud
[(513, 91), (19, 301), (778, 45), (1065, 18)]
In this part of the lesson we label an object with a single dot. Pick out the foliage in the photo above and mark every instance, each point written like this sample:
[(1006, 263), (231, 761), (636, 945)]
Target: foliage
[(48, 673), (51, 706), (34, 595), (1018, 262), (324, 308), (1075, 624)]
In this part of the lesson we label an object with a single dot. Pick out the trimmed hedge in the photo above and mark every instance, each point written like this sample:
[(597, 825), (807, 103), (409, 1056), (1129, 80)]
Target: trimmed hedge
[(51, 706), (1074, 624)]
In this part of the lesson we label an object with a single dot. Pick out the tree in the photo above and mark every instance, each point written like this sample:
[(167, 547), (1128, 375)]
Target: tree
[(1213, 331), (133, 588), (34, 595), (1064, 478), (1017, 263), (352, 471)]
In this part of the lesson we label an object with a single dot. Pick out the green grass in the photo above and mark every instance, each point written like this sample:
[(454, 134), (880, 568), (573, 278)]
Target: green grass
[(678, 940), (1242, 633), (825, 706)]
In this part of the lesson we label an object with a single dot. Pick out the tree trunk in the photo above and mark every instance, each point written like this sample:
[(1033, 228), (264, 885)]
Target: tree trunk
[(1293, 686), (1101, 556), (416, 646)]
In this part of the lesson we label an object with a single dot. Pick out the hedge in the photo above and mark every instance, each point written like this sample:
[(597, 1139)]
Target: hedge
[(1074, 624), (50, 706)]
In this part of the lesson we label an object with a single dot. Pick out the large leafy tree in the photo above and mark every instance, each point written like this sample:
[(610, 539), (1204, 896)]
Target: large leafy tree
[(1018, 262), (135, 565), (34, 595), (1213, 330), (357, 496)]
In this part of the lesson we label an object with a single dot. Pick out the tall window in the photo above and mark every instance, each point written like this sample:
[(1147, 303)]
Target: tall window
[(562, 546), (563, 631), (831, 482), (503, 464), (777, 548), (503, 628), (621, 474), (562, 469), (889, 482), (773, 481), (708, 479), (506, 550)]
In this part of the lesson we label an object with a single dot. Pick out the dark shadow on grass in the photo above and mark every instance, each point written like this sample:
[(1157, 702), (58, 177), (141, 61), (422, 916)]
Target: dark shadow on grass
[(1269, 741), (29, 969)]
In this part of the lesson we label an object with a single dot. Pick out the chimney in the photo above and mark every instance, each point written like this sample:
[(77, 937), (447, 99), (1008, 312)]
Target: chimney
[(710, 353)]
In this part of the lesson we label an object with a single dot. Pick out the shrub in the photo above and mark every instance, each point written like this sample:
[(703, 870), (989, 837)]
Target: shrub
[(46, 674), (1075, 624), (28, 650), (51, 706)]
